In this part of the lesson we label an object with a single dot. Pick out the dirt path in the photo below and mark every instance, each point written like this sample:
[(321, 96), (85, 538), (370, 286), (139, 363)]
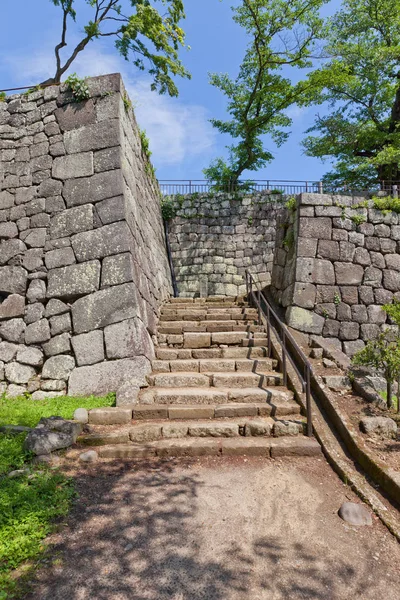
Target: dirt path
[(216, 529)]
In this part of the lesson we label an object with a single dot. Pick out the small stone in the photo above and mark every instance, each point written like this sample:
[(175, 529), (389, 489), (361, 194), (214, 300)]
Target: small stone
[(60, 344), (14, 391), (81, 415), (328, 364), (34, 312), (12, 306), (56, 307), (90, 456), (36, 291), (355, 514), (382, 426)]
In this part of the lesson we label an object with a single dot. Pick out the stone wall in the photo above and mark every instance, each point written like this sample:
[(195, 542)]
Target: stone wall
[(342, 265), (82, 248), (215, 237)]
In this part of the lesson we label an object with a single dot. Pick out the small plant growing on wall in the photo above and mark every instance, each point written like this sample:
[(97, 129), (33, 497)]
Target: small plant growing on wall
[(387, 204), (167, 208), (2, 96), (78, 87), (127, 102), (291, 204)]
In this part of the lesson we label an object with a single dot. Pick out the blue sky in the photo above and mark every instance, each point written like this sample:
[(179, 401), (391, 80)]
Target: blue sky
[(181, 138)]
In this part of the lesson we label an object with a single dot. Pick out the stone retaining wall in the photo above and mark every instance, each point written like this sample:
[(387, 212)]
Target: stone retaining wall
[(339, 264), (215, 237), (82, 253)]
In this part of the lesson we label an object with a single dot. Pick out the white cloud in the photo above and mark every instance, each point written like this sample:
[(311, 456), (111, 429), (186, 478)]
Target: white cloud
[(296, 112), (177, 130)]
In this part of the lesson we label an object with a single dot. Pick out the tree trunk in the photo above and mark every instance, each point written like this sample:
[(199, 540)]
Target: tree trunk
[(389, 393)]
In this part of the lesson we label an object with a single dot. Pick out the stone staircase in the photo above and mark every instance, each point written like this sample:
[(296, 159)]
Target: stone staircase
[(212, 391)]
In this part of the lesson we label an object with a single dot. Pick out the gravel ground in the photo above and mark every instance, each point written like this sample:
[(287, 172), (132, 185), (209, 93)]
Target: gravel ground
[(216, 529)]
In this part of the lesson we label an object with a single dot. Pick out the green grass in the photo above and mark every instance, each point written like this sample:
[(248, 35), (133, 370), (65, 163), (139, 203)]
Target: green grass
[(394, 399), (27, 412), (30, 504)]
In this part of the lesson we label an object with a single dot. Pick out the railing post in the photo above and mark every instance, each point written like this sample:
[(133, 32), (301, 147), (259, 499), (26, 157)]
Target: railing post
[(395, 191), (284, 366), (269, 332), (259, 306), (190, 186), (308, 403), (320, 187)]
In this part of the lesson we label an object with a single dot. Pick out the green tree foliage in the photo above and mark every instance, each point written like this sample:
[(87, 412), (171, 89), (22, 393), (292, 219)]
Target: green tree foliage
[(382, 354), (281, 34), (360, 81), (141, 31)]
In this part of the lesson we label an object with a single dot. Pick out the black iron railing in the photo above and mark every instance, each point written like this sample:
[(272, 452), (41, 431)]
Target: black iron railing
[(170, 187), (191, 186), (290, 350)]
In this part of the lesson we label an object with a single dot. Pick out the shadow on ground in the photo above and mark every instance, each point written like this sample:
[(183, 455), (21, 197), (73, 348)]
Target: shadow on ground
[(135, 534)]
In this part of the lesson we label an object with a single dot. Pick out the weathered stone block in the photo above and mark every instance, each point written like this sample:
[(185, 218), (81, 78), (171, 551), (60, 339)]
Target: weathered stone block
[(71, 221), (36, 291), (116, 270), (362, 257), (372, 277), (93, 189), (348, 274), (349, 331), (74, 165), (105, 307), (101, 242), (93, 137), (75, 115), (304, 320), (61, 257), (349, 294), (8, 230), (8, 351), (37, 333), (16, 373), (60, 344), (111, 210), (12, 306), (107, 159), (328, 249), (304, 295), (391, 280), (392, 261), (128, 338), (331, 328), (74, 280), (36, 238), (107, 377), (30, 356), (56, 307), (315, 227), (314, 270), (88, 348), (376, 314), (307, 247), (60, 324), (58, 367), (13, 330)]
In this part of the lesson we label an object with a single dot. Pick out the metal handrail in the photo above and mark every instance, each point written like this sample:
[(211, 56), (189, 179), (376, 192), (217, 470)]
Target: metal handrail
[(274, 323)]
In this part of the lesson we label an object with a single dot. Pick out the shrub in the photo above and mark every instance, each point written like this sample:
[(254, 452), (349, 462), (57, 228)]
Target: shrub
[(78, 87)]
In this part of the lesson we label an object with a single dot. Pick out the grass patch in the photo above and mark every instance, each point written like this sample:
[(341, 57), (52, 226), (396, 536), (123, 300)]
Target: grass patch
[(394, 400), (30, 503), (27, 412)]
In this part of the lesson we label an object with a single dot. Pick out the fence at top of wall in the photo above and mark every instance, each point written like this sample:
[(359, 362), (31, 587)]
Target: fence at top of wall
[(214, 237)]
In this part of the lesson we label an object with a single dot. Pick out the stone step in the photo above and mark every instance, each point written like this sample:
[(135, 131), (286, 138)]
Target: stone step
[(218, 411), (214, 365), (210, 353), (237, 446), (151, 431), (226, 314), (275, 396), (235, 300), (237, 379), (208, 339), (179, 327)]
